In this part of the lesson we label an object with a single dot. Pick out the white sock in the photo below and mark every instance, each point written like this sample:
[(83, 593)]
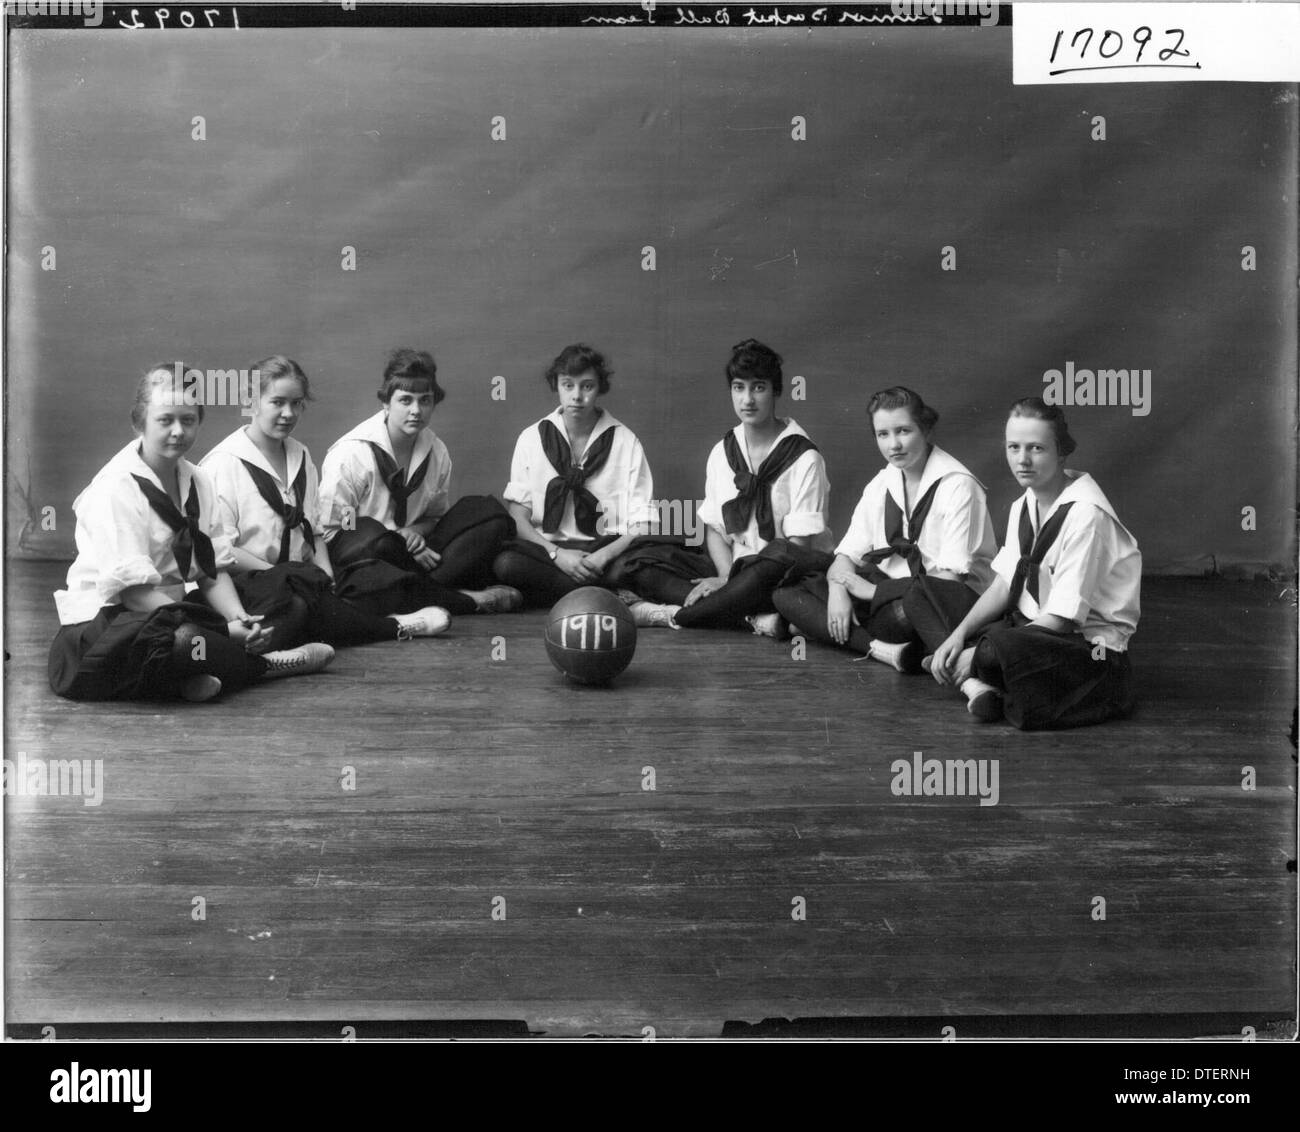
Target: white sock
[(970, 688)]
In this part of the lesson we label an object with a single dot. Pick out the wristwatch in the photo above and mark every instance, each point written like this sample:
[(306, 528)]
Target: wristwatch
[(553, 551)]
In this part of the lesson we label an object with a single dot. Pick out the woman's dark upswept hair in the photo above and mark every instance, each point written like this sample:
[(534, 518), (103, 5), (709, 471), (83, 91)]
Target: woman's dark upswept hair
[(752, 361), (574, 361), (900, 397), (1037, 409), (411, 370)]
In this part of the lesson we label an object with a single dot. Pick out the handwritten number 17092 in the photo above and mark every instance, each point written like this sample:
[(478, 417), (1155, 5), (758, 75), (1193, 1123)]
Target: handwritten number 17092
[(184, 17), (1112, 43)]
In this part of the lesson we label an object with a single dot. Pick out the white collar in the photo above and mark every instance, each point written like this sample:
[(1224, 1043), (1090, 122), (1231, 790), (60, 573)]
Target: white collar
[(937, 465), (604, 422), (1080, 487), (374, 430), (128, 459), (791, 429), (240, 444)]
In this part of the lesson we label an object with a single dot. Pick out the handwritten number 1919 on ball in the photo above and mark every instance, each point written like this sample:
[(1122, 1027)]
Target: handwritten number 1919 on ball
[(598, 621)]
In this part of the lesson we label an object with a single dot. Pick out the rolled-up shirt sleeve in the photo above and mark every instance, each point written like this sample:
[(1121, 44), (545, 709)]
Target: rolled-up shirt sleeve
[(519, 489), (858, 539), (1081, 556), (809, 494), (961, 535), (223, 553), (225, 496), (1005, 561), (440, 502), (640, 488), (1008, 556), (117, 529), (340, 487), (710, 511)]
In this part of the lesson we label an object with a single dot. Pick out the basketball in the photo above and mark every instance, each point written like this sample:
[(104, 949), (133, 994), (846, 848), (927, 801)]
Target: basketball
[(590, 635)]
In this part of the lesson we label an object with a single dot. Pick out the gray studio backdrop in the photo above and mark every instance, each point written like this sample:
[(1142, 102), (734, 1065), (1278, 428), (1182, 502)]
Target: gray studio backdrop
[(1122, 253)]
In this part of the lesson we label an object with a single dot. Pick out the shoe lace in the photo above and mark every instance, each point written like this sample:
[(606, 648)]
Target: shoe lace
[(294, 659)]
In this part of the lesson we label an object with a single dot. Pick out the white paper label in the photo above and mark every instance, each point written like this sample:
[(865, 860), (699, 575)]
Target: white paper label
[(1143, 43)]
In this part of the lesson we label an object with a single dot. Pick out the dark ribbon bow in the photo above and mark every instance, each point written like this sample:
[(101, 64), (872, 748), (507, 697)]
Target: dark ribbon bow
[(570, 478), (399, 487), (904, 545), (1033, 551), (754, 488), (190, 541), (290, 514)]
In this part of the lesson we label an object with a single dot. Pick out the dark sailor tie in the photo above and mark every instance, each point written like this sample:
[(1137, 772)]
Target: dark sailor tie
[(903, 545), (1033, 551), (190, 541), (570, 478), (290, 514), (398, 486), (755, 488)]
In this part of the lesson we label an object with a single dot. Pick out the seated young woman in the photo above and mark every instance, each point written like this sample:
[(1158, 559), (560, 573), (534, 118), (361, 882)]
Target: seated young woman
[(580, 493), (267, 493), (1058, 616), (766, 496), (150, 611), (395, 540), (917, 552)]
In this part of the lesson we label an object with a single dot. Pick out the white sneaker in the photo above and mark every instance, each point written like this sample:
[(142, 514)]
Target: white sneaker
[(769, 625), (905, 657), (426, 622), (297, 662), (647, 615)]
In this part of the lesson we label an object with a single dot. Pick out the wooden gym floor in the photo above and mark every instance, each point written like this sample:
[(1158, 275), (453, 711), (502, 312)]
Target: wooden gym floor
[(625, 908)]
